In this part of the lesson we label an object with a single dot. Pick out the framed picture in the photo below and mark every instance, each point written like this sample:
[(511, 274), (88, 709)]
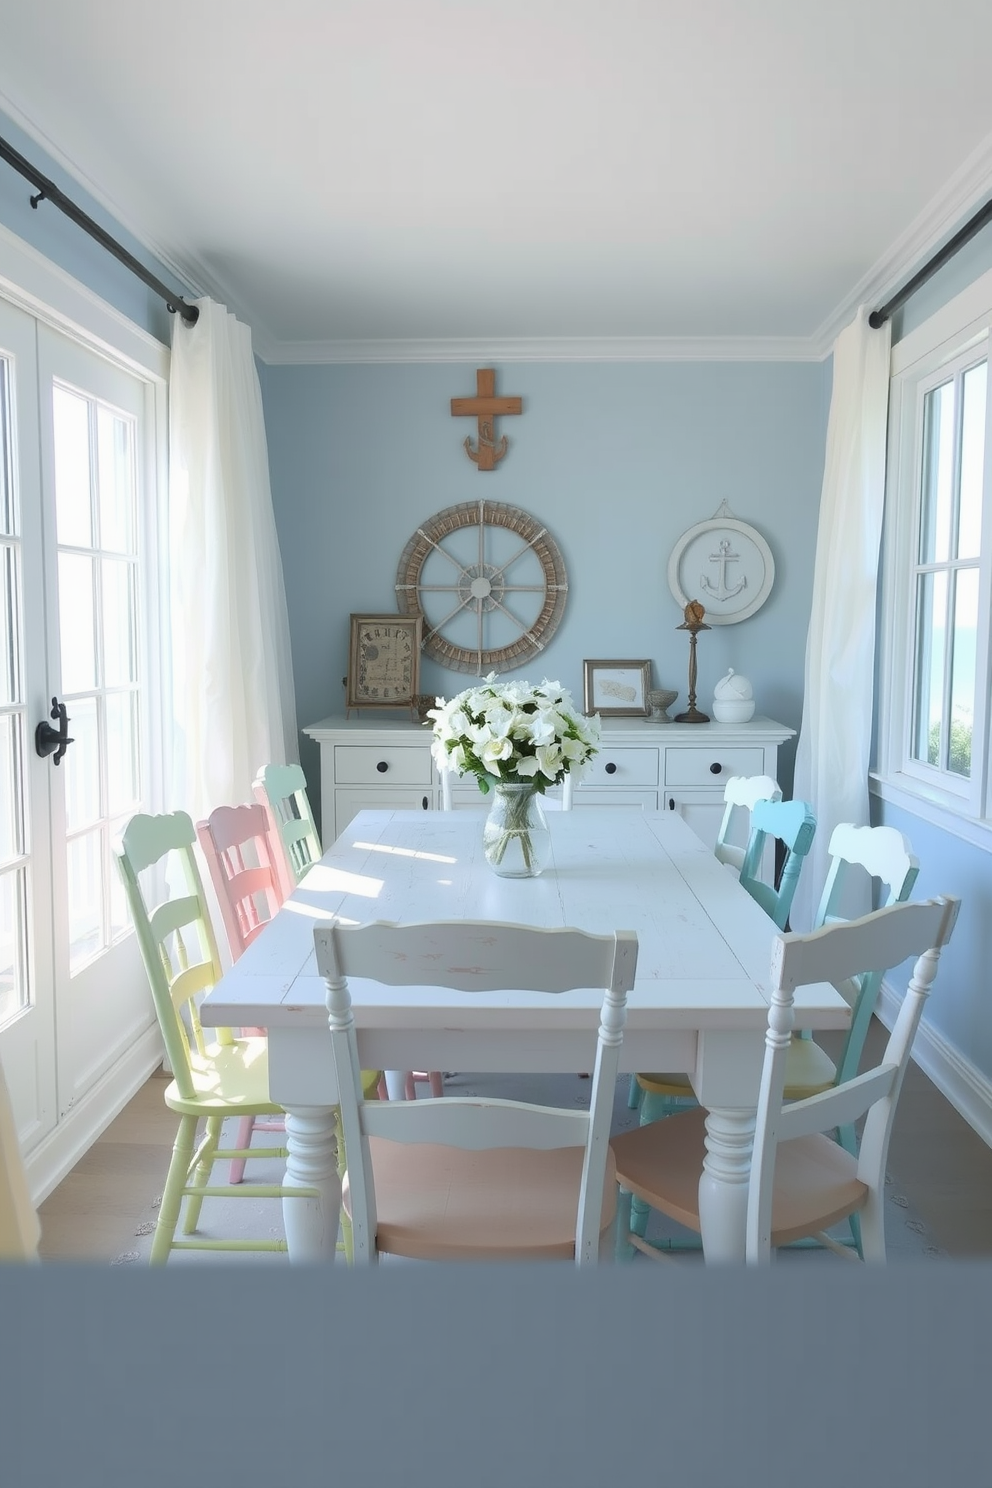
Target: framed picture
[(617, 689), (384, 661)]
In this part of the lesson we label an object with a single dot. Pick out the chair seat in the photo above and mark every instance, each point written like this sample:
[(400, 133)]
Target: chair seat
[(808, 1070), (816, 1181), (438, 1203), (228, 1079)]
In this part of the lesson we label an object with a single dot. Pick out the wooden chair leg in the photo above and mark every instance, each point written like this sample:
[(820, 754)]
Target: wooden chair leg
[(245, 1128), (633, 1094), (437, 1083), (201, 1177), (172, 1195), (623, 1250)]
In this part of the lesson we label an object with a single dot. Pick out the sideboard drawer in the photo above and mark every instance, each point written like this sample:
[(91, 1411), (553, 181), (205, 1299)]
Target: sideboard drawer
[(696, 766), (386, 764), (622, 767)]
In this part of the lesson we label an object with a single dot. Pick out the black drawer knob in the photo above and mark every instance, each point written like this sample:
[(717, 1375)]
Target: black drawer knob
[(715, 769), (611, 768), (382, 767)]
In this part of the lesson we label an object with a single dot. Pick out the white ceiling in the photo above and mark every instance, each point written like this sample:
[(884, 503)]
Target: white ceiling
[(422, 171)]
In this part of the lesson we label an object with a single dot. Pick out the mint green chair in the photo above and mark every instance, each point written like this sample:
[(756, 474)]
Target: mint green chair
[(213, 1079), (282, 792)]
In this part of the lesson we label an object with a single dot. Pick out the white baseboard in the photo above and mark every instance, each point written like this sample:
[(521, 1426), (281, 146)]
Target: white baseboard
[(957, 1079), (59, 1152)]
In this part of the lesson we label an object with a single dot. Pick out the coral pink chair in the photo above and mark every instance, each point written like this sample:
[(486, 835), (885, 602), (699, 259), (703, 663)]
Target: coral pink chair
[(244, 869)]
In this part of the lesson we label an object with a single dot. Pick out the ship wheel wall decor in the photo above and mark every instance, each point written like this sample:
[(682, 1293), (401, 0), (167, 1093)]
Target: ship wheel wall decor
[(490, 582)]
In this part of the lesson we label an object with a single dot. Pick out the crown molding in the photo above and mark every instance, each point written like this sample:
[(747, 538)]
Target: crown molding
[(551, 349), (959, 199), (966, 189)]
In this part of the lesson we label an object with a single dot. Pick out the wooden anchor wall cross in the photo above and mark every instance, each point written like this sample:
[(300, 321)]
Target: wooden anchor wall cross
[(486, 407)]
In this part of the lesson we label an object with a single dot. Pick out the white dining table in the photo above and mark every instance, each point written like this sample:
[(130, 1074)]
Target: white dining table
[(699, 1003)]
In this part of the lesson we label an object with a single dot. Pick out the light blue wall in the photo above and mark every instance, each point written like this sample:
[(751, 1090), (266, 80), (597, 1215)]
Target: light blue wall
[(616, 459)]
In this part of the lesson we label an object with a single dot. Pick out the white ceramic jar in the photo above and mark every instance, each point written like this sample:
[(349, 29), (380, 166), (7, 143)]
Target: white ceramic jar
[(733, 699)]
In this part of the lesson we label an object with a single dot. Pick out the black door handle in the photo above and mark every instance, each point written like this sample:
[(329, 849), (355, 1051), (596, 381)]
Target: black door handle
[(53, 741)]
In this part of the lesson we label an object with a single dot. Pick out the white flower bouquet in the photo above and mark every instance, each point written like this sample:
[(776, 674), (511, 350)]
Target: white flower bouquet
[(518, 739), (513, 733)]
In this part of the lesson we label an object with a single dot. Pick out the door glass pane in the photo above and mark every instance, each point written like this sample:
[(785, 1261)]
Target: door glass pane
[(963, 671), (73, 509), (931, 621), (8, 524), (76, 617), (82, 766), (938, 474), (118, 623), (14, 991), (10, 687), (122, 752), (11, 789), (115, 477), (972, 461), (86, 868)]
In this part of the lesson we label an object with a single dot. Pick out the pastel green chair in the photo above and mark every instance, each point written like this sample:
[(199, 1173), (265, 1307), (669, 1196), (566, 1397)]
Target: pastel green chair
[(213, 1078), (281, 790)]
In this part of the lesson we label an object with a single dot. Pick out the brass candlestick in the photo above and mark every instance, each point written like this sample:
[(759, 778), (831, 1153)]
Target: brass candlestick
[(693, 623)]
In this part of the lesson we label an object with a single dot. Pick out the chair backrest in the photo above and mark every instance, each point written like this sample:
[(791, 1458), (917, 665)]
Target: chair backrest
[(19, 1227), (885, 854), (469, 957), (243, 863), (742, 793), (175, 936), (282, 791), (875, 943), (794, 825)]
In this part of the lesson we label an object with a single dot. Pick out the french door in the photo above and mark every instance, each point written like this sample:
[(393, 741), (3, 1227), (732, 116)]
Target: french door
[(75, 641)]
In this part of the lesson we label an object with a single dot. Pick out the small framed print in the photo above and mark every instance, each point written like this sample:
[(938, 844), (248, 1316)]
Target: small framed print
[(384, 661), (617, 689)]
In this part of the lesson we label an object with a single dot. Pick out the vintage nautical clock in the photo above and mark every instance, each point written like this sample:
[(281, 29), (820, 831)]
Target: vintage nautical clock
[(726, 564), (490, 583), (384, 661)]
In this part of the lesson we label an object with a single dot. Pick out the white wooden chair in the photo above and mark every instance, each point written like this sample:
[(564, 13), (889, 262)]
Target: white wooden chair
[(742, 793), (19, 1227), (477, 1179), (802, 1182)]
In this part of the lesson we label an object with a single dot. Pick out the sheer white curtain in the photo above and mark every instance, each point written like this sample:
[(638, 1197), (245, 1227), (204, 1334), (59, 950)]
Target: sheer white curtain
[(832, 756), (234, 707)]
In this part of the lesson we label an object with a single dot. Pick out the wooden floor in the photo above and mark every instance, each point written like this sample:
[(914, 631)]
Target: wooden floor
[(942, 1166)]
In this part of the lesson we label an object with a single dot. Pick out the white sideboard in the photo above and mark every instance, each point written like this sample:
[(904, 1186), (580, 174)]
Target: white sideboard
[(382, 763)]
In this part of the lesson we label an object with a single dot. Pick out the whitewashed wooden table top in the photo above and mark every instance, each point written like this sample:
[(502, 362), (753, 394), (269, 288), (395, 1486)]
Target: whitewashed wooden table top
[(704, 946)]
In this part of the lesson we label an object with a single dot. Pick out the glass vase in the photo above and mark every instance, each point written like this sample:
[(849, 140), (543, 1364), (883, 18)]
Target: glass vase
[(516, 839)]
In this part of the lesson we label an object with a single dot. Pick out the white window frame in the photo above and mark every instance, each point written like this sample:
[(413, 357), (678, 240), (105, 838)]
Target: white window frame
[(35, 284), (959, 333)]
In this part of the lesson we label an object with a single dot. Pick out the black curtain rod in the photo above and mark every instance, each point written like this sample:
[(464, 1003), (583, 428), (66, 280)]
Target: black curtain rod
[(48, 191), (963, 235)]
